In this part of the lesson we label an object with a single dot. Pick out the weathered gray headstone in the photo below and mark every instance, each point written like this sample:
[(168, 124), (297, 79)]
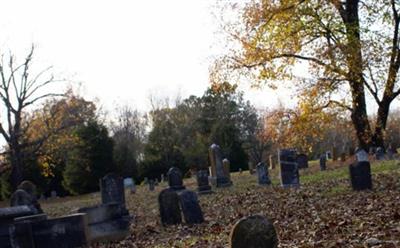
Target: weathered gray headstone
[(227, 168), (170, 211), (145, 180), (202, 182), (53, 194), (190, 207), (379, 153), (361, 155), (289, 168), (240, 170), (322, 162), (162, 178), (175, 181), (262, 173), (112, 189), (302, 161), (253, 232), (217, 168)]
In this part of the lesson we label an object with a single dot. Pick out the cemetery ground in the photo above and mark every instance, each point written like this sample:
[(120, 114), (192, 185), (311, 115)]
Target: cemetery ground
[(323, 212)]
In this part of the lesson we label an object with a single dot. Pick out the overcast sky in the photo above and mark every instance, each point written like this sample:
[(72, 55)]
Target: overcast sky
[(121, 50)]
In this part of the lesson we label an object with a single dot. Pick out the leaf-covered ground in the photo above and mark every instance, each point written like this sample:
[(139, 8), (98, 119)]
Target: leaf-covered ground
[(323, 212)]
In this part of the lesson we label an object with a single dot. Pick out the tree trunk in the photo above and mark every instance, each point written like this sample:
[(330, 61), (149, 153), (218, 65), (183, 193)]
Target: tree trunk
[(381, 120), (16, 167)]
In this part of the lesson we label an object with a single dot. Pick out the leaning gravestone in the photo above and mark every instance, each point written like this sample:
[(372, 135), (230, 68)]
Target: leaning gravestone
[(175, 181), (262, 173), (170, 212), (289, 168), (253, 232), (379, 153), (227, 168), (218, 174), (202, 182), (112, 189), (322, 162), (190, 207), (360, 172), (302, 161)]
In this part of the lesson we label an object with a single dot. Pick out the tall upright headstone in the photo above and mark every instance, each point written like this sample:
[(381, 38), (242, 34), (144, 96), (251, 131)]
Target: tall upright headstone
[(151, 185), (202, 182), (302, 161), (289, 168), (112, 189), (322, 162), (175, 181), (360, 172), (227, 168), (217, 167), (262, 173)]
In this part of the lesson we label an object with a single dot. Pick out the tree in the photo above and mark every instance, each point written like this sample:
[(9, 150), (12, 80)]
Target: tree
[(129, 136), (349, 47), (90, 160), (19, 91)]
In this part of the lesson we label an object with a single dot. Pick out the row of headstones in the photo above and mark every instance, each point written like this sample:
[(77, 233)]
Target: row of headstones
[(25, 225)]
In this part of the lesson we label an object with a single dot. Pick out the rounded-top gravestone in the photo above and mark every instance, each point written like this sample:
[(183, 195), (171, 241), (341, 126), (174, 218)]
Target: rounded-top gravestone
[(30, 188), (253, 232), (175, 179)]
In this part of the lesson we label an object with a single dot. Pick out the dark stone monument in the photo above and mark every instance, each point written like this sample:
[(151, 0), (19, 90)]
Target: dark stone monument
[(112, 189), (322, 162), (253, 232), (379, 153), (202, 182), (190, 207), (262, 173), (152, 185), (218, 172), (170, 211), (289, 168), (63, 232), (175, 181), (360, 172), (302, 161)]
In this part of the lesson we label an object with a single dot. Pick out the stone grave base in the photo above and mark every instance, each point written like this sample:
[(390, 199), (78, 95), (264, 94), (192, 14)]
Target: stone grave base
[(107, 222)]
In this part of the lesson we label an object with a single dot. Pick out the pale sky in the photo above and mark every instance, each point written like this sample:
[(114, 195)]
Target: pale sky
[(122, 50)]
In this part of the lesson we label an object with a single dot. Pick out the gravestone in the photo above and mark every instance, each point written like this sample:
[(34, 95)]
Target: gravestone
[(289, 168), (240, 171), (63, 232), (251, 168), (190, 207), (175, 181), (112, 189), (271, 162), (253, 232), (21, 197), (361, 155), (227, 168), (7, 216), (156, 182), (128, 182), (302, 161), (390, 153), (360, 172), (262, 173), (202, 182), (322, 162), (218, 173), (328, 155), (151, 185), (162, 178), (379, 153), (145, 181), (170, 212), (53, 194)]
